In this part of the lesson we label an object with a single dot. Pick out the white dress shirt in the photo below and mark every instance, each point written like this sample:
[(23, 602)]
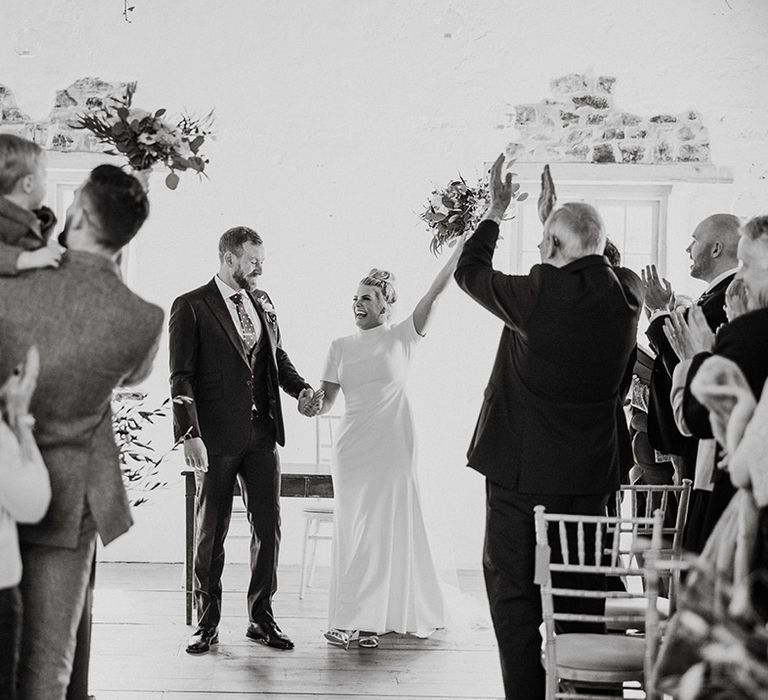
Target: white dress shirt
[(227, 293)]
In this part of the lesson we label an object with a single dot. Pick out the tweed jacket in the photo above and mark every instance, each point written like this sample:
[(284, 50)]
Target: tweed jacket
[(93, 334)]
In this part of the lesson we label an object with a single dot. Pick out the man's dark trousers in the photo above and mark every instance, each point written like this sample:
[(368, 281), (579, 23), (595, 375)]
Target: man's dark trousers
[(257, 468), (508, 565)]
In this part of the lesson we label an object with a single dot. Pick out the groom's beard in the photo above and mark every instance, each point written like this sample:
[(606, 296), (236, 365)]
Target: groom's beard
[(244, 281)]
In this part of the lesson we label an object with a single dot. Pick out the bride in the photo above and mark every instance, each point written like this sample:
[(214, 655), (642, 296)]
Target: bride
[(383, 576)]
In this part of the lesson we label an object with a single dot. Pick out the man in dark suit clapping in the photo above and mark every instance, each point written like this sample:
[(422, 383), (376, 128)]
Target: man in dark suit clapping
[(744, 341), (227, 360), (713, 260), (547, 430)]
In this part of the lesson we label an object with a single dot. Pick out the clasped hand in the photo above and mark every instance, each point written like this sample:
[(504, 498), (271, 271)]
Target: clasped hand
[(311, 402)]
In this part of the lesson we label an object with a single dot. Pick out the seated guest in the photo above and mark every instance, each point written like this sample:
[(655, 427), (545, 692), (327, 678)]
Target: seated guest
[(715, 645), (25, 493), (94, 334)]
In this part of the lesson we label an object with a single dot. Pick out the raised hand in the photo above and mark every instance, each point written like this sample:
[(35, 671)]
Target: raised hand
[(658, 291), (547, 198), (500, 190)]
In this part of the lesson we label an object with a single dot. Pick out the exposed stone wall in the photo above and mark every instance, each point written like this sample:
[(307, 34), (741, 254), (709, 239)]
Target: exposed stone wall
[(580, 123), (55, 133)]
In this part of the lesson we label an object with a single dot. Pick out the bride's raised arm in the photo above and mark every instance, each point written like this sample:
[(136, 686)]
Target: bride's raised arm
[(423, 310)]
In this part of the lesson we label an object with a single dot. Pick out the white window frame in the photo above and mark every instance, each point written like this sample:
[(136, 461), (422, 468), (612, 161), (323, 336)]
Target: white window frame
[(65, 173), (597, 194)]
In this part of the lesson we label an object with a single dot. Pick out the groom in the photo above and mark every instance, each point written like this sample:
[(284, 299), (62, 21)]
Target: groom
[(227, 360)]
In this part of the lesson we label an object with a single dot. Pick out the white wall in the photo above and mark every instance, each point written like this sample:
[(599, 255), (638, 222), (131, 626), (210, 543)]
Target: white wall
[(334, 120)]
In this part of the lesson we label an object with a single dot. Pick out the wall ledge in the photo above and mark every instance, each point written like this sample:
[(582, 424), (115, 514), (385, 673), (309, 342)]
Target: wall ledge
[(611, 173)]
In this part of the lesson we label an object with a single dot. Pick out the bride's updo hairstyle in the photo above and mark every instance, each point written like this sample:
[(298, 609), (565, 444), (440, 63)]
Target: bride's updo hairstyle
[(384, 281)]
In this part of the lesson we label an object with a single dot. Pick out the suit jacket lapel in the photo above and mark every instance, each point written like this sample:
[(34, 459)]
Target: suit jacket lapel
[(219, 308), (717, 289), (265, 336)]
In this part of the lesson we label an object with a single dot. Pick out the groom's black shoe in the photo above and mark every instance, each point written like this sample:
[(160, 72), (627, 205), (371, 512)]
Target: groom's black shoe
[(202, 640), (268, 633)]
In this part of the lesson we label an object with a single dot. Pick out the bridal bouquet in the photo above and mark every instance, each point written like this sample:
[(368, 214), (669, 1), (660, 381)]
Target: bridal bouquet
[(146, 138), (457, 209)]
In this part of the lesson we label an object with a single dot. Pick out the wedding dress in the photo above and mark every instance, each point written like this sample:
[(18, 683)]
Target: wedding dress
[(383, 575)]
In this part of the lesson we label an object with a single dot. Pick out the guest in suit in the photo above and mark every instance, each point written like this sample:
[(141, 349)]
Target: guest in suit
[(547, 430), (25, 224), (227, 358), (93, 334), (713, 260), (744, 341)]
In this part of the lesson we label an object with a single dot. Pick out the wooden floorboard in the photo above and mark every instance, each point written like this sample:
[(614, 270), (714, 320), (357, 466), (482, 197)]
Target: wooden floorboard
[(139, 638)]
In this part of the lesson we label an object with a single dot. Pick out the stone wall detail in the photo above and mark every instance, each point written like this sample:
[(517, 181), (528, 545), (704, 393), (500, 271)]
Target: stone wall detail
[(580, 123), (55, 133)]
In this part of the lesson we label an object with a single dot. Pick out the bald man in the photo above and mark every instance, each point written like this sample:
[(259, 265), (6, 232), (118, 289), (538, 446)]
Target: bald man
[(713, 256)]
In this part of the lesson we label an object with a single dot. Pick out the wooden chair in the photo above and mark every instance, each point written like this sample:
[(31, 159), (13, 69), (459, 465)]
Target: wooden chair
[(591, 546), (317, 514), (644, 501)]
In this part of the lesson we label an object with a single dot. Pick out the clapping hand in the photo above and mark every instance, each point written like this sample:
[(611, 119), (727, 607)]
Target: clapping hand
[(701, 334), (16, 393), (311, 402), (676, 330), (690, 337), (658, 291), (547, 198)]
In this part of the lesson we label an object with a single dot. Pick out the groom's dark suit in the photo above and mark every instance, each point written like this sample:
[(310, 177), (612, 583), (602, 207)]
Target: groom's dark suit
[(547, 430), (236, 411)]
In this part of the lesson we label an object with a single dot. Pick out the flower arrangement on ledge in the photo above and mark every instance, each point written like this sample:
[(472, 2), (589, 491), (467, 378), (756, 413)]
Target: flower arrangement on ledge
[(457, 209), (146, 138)]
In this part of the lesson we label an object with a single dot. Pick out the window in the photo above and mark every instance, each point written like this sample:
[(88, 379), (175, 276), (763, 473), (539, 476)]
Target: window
[(634, 216), (66, 172)]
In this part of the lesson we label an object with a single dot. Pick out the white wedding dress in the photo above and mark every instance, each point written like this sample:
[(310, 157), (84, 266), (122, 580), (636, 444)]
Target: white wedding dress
[(383, 577)]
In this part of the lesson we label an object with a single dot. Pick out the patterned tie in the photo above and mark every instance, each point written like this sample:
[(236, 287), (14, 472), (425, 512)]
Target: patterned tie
[(249, 332)]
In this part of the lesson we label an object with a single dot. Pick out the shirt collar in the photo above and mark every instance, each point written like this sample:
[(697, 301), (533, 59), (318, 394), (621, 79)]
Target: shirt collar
[(227, 292), (720, 278)]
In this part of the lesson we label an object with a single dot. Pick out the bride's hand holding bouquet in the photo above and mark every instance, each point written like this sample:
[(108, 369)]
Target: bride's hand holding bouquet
[(454, 211)]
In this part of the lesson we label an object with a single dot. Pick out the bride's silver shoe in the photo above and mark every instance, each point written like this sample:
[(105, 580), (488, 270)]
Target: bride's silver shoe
[(340, 638)]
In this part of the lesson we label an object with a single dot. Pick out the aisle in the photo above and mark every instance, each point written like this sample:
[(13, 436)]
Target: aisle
[(139, 637)]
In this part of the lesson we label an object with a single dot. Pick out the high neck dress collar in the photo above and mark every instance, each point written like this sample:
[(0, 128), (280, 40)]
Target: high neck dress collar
[(373, 331)]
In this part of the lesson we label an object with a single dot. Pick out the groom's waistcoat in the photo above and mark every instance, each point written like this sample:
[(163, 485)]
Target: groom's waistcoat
[(211, 366)]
